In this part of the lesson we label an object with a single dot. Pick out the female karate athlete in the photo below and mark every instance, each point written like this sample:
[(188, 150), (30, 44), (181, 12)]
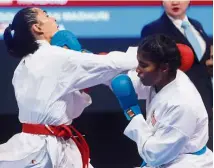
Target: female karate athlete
[(175, 131)]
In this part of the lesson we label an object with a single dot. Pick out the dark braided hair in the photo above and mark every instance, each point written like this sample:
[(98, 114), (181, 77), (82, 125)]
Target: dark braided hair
[(160, 49)]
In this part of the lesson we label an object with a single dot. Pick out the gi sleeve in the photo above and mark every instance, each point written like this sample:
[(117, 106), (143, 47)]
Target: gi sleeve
[(83, 70), (166, 142)]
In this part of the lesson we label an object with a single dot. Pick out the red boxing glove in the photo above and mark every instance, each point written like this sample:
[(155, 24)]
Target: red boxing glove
[(187, 57), (86, 90)]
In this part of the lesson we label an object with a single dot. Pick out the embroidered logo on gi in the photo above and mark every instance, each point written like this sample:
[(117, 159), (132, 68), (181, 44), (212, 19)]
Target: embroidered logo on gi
[(33, 161), (153, 120)]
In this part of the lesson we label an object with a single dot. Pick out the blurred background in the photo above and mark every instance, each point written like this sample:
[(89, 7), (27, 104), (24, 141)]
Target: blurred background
[(101, 26)]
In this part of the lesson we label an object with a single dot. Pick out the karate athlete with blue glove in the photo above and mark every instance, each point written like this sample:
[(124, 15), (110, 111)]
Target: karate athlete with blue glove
[(175, 131)]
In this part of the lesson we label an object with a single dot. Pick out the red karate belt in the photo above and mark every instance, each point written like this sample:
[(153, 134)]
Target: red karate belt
[(64, 131)]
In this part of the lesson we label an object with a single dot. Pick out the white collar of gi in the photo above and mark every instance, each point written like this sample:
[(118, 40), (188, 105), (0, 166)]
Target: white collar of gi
[(42, 42), (178, 22)]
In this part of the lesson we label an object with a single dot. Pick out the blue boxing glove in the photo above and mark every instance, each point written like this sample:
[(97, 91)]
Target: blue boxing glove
[(66, 38), (124, 90)]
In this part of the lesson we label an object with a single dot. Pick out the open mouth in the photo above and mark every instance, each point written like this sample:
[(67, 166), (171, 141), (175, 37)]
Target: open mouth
[(176, 9)]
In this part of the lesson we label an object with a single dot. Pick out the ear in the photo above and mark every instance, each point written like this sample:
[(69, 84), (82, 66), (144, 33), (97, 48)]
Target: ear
[(164, 67), (36, 29), (163, 2), (189, 2)]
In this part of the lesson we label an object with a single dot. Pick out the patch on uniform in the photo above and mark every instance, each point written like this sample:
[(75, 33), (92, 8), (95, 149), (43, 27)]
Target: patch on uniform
[(153, 120), (130, 113), (33, 161)]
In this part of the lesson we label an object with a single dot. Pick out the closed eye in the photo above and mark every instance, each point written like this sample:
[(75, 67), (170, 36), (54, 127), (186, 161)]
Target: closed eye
[(46, 13), (143, 65)]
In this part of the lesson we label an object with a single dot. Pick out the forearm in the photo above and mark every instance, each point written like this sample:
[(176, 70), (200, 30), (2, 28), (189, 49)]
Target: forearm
[(154, 149), (92, 69)]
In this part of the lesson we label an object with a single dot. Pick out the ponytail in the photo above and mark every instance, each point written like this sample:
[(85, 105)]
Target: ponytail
[(8, 38), (18, 37)]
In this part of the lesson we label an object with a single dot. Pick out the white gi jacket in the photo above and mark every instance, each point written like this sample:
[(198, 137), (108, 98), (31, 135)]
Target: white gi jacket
[(176, 125), (47, 85)]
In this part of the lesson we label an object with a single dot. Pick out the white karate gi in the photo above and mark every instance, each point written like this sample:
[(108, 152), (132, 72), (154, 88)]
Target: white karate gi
[(176, 125), (47, 85)]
